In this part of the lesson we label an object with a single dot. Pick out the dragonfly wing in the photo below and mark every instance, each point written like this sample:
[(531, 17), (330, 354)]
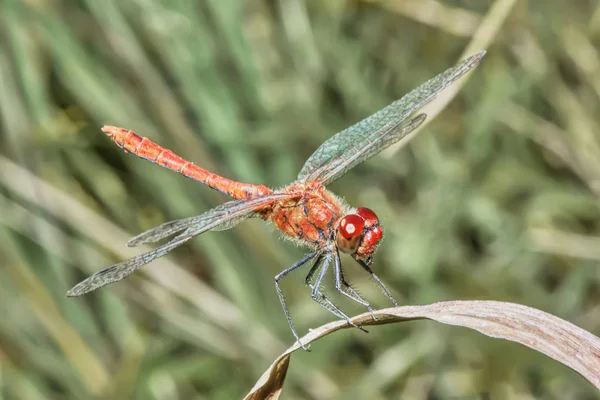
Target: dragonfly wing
[(228, 214), (162, 231), (172, 227), (358, 137), (340, 165)]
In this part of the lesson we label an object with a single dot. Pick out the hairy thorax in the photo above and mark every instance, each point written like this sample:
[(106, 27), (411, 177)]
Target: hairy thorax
[(312, 217)]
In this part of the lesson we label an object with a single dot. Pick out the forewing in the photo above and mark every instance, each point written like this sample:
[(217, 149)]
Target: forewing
[(338, 166), (172, 227), (359, 137), (228, 214)]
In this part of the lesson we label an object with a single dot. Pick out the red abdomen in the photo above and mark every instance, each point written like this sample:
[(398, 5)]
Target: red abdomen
[(147, 149)]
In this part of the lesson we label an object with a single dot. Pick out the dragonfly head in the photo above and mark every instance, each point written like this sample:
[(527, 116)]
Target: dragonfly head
[(359, 234)]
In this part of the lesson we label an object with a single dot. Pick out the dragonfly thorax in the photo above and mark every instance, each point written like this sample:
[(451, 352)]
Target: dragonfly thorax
[(359, 234)]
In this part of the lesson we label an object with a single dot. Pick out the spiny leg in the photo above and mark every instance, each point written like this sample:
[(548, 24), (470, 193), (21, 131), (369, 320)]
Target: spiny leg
[(320, 298), (330, 307), (283, 273), (379, 282), (349, 292), (310, 274)]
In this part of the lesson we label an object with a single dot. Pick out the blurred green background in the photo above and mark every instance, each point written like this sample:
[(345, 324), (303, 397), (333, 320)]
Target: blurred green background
[(496, 199)]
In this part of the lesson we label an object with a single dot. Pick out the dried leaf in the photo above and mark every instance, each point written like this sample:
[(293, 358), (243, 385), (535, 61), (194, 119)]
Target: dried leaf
[(555, 337)]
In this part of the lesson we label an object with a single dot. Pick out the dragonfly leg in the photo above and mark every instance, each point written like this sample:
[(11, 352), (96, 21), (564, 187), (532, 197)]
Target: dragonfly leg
[(312, 271), (321, 299), (379, 282), (280, 293), (349, 292)]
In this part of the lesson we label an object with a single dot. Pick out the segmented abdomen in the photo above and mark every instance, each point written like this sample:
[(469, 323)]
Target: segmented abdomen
[(147, 149)]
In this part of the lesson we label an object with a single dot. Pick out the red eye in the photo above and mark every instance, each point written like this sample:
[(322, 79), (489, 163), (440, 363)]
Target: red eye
[(351, 225), (367, 214)]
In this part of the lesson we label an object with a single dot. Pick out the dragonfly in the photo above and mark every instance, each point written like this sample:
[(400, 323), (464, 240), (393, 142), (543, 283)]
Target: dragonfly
[(304, 211)]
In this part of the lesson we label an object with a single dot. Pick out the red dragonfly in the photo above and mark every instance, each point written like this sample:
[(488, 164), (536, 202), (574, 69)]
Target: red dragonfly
[(304, 210)]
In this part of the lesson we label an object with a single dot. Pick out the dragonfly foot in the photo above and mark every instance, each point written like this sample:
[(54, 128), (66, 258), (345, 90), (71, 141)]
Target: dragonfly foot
[(357, 326), (372, 313), (304, 347)]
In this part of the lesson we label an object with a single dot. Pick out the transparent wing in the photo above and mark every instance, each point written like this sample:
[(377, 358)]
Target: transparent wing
[(340, 165), (228, 214), (172, 227), (364, 139)]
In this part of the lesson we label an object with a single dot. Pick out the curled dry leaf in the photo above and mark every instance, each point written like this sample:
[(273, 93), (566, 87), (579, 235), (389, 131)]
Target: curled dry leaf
[(555, 337)]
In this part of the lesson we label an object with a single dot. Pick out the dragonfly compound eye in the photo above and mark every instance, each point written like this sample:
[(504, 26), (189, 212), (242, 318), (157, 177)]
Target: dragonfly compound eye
[(368, 215), (350, 233), (372, 235)]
